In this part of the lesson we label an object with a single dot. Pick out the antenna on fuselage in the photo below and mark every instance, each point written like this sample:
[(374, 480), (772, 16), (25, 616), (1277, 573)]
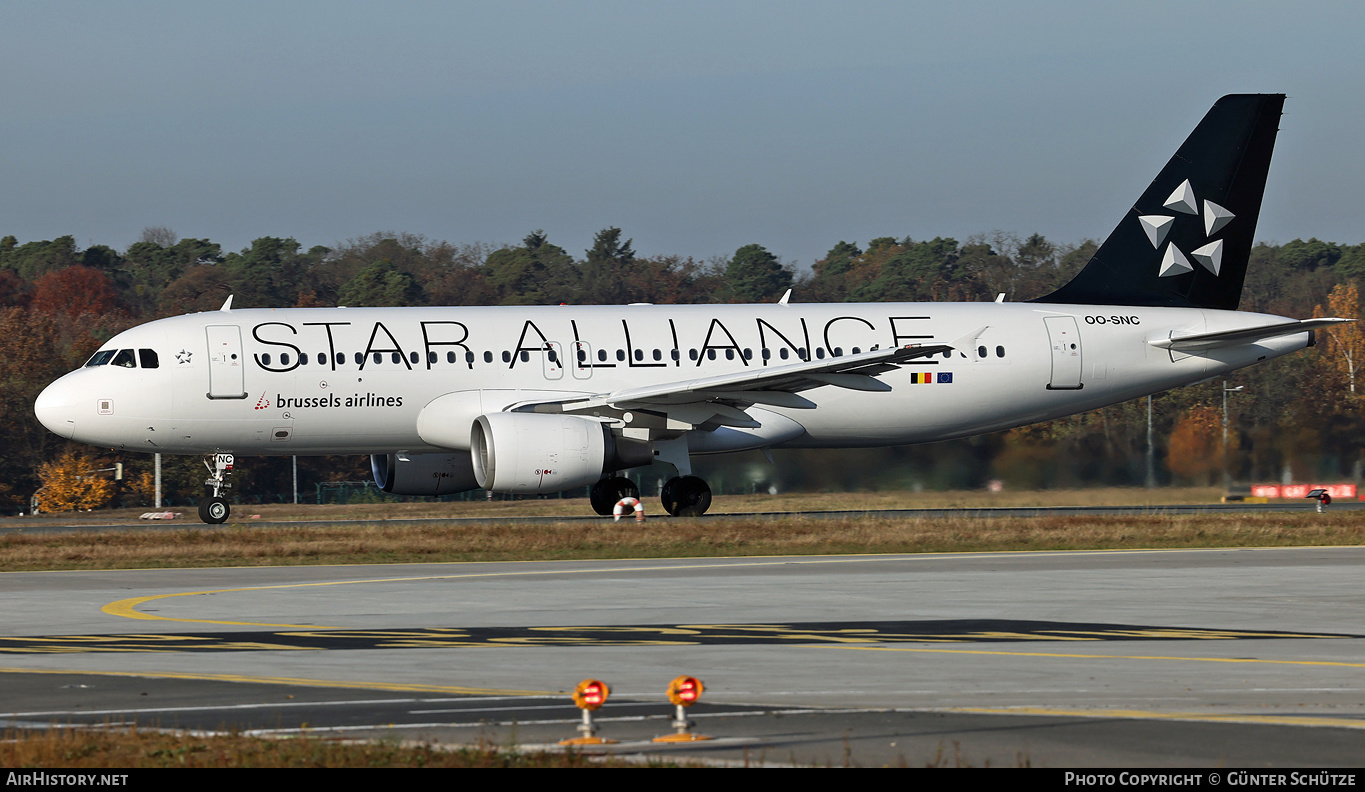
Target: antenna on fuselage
[(785, 297), (227, 304)]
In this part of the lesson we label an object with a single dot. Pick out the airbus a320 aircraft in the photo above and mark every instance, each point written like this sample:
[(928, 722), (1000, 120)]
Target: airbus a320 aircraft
[(544, 399)]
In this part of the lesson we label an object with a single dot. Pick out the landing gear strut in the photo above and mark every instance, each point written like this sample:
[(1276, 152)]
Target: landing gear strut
[(686, 496), (215, 510), (609, 491)]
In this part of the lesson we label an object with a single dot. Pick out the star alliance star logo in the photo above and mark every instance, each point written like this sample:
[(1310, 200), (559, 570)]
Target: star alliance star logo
[(1173, 260), (183, 356)]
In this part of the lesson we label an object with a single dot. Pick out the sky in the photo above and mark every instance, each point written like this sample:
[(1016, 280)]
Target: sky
[(695, 127)]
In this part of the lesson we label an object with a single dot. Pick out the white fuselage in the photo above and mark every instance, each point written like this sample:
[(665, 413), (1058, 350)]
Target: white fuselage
[(355, 380)]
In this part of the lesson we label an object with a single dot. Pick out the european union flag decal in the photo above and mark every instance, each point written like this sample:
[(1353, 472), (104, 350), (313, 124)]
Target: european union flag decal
[(945, 377)]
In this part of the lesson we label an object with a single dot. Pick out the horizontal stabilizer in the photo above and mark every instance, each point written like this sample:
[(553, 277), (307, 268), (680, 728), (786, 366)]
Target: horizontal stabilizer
[(1245, 335)]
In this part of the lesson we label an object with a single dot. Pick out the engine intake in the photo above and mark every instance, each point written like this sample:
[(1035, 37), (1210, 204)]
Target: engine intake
[(538, 453)]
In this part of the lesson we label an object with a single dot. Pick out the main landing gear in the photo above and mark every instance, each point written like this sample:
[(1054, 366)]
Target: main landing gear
[(683, 496), (609, 491), (215, 510), (686, 496)]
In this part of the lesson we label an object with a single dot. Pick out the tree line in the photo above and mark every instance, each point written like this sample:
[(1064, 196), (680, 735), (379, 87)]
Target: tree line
[(1296, 417)]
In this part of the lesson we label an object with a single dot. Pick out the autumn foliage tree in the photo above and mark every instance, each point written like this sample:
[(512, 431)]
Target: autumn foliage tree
[(1195, 448), (1345, 343), (74, 291), (70, 482)]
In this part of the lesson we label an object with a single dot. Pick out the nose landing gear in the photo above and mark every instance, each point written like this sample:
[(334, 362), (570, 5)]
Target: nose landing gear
[(215, 510)]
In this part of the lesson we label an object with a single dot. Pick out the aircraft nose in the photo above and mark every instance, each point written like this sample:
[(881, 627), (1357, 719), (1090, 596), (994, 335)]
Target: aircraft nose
[(56, 408)]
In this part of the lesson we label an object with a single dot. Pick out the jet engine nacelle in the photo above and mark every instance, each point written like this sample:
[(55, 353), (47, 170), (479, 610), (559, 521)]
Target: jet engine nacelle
[(538, 452), (423, 474)]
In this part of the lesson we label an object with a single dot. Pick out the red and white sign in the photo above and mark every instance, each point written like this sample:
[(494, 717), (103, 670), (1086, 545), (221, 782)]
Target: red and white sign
[(1337, 491)]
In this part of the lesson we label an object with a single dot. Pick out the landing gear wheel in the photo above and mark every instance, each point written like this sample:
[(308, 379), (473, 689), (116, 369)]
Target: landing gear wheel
[(214, 511), (686, 496), (609, 491)]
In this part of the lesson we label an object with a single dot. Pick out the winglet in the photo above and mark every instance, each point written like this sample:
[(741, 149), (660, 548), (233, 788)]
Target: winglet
[(785, 297), (227, 304)]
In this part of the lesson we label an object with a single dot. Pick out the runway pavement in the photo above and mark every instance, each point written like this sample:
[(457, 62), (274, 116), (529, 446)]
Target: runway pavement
[(1174, 657)]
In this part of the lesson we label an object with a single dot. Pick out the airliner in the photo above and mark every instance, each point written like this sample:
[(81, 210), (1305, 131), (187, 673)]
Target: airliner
[(545, 399)]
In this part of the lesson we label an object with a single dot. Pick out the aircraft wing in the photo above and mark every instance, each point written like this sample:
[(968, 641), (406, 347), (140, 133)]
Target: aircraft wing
[(721, 399), (1246, 335)]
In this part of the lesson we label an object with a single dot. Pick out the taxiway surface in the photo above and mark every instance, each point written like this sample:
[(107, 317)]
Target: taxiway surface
[(1179, 657)]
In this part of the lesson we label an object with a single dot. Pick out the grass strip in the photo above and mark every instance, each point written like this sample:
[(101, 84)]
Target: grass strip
[(134, 748), (322, 543)]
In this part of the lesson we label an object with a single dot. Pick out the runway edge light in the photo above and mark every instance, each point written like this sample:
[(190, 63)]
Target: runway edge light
[(590, 695), (683, 691)]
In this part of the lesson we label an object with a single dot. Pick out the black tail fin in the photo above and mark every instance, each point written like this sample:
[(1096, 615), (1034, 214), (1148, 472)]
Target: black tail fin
[(1187, 241)]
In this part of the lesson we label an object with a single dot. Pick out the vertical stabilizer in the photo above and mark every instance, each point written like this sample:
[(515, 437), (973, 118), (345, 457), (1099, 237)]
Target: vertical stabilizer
[(1187, 240)]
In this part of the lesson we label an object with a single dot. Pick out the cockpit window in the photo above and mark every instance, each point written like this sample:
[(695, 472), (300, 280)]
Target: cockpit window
[(101, 357), (124, 358), (147, 357)]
